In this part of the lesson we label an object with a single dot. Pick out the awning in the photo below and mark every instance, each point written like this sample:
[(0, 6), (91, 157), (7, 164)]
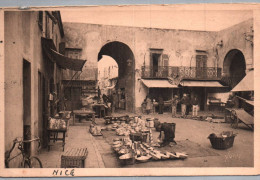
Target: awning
[(61, 60), (154, 83), (200, 83), (246, 84)]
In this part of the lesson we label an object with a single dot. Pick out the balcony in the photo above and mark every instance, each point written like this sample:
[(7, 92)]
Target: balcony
[(209, 73)]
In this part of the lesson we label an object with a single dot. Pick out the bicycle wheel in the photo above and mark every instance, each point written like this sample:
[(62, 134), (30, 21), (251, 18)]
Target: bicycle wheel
[(33, 162)]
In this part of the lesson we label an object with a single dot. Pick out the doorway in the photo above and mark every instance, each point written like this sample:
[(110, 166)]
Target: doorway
[(27, 104), (124, 57), (42, 118), (234, 67)]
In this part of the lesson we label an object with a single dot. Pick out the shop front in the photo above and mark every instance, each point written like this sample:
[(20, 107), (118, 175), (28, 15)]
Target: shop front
[(211, 94), (161, 88)]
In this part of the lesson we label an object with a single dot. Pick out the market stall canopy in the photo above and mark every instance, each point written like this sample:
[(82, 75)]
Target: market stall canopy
[(246, 84), (61, 60), (200, 83), (155, 83)]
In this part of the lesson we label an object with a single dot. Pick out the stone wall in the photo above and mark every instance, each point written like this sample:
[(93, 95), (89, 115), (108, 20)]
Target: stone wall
[(179, 45)]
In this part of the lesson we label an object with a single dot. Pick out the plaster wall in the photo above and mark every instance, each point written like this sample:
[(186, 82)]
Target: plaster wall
[(234, 38), (22, 42), (179, 45)]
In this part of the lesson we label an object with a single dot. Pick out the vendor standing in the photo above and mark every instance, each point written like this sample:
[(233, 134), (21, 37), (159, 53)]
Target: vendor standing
[(184, 103), (174, 102), (148, 105), (161, 104), (195, 105), (105, 98)]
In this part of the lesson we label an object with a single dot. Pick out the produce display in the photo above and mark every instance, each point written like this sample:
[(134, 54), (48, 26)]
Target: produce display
[(142, 152), (136, 142), (57, 123)]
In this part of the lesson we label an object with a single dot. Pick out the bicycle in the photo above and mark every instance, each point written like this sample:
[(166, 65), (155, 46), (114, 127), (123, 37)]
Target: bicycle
[(28, 161)]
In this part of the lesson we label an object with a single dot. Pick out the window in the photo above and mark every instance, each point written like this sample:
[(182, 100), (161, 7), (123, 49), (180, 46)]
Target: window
[(40, 20), (155, 61), (47, 27), (73, 53), (201, 65)]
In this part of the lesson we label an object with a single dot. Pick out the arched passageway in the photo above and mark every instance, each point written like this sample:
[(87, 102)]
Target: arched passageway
[(234, 67), (125, 87)]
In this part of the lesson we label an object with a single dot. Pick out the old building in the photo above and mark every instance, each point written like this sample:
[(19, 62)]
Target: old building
[(167, 61), (78, 84), (34, 61)]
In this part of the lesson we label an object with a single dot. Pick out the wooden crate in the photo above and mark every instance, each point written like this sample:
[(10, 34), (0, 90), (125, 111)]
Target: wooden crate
[(74, 158)]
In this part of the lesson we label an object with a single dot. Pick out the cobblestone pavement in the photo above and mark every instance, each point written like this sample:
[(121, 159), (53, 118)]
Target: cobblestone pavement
[(100, 153)]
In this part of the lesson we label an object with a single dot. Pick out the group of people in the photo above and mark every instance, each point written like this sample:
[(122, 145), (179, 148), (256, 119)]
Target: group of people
[(186, 104), (148, 104)]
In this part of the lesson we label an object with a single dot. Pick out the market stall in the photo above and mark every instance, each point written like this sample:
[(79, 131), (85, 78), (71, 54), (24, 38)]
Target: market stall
[(244, 113), (57, 126)]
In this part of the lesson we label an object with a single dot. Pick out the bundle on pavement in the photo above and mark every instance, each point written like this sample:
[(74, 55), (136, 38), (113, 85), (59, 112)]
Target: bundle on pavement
[(95, 130)]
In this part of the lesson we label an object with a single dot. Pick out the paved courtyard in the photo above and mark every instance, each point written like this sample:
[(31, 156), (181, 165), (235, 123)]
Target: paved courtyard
[(101, 154)]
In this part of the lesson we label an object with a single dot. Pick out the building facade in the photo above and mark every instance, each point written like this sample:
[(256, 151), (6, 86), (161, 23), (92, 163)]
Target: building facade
[(34, 60), (177, 56)]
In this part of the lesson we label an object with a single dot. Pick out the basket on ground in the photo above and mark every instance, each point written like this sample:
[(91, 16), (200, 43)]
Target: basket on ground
[(222, 142)]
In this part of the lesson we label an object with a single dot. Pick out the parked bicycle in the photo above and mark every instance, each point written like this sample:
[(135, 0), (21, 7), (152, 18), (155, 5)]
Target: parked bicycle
[(27, 161)]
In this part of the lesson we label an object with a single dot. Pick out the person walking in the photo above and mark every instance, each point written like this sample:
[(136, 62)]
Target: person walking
[(148, 105), (195, 106), (113, 104), (175, 102), (184, 102), (161, 104)]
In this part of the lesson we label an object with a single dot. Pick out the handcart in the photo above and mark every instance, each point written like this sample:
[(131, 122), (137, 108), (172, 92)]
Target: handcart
[(241, 116)]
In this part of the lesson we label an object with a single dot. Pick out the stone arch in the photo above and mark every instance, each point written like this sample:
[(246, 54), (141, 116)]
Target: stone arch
[(234, 67), (125, 59)]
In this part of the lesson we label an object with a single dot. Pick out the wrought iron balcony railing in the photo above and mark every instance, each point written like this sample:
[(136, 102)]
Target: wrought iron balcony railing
[(209, 73)]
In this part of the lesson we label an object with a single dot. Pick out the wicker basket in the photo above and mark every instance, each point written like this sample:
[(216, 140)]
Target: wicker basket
[(222, 142), (74, 158)]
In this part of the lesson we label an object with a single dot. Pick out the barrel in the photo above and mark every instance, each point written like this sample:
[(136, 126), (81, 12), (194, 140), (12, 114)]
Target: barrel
[(149, 123)]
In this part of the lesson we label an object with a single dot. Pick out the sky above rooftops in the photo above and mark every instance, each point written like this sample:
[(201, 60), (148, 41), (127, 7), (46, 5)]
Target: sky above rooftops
[(188, 17)]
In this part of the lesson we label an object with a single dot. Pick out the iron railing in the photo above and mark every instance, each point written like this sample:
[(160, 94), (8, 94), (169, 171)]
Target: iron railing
[(209, 73)]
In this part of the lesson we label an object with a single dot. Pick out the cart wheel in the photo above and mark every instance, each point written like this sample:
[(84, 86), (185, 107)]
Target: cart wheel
[(233, 116), (235, 123)]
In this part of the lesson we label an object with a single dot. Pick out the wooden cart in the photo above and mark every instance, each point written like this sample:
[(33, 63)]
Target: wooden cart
[(241, 116)]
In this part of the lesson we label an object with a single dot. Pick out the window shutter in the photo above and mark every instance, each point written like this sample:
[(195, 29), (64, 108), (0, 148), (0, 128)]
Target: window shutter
[(165, 60)]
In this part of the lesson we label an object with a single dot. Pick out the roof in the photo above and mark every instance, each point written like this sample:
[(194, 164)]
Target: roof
[(200, 83), (158, 83), (246, 84)]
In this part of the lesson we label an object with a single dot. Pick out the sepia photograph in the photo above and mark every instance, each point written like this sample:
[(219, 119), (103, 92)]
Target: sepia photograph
[(129, 87)]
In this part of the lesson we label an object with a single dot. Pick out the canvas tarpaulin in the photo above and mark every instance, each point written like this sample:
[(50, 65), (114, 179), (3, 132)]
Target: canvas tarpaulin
[(161, 83), (61, 60), (201, 83), (246, 84)]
